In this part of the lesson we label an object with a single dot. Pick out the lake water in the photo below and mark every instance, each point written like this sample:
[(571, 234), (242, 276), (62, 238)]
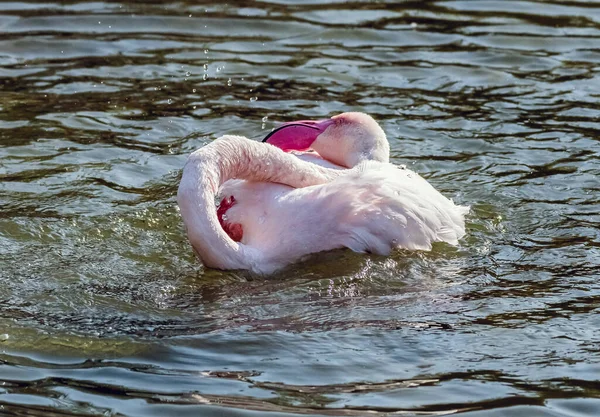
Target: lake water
[(105, 311)]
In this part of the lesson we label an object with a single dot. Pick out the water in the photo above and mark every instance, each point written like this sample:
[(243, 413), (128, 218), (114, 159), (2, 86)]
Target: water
[(103, 308)]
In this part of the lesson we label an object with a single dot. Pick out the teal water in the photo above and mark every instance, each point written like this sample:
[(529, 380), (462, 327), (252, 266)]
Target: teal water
[(105, 311)]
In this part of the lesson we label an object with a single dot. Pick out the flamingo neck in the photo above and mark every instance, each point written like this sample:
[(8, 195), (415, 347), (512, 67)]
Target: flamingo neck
[(226, 158)]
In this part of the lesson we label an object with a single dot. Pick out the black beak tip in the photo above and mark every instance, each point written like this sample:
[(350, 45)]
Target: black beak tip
[(272, 132)]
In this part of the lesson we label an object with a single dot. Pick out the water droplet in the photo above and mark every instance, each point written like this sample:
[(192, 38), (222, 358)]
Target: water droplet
[(205, 77), (190, 16), (229, 82), (187, 74), (205, 66), (193, 90), (224, 217), (264, 119), (267, 163), (169, 101), (253, 99), (414, 25), (4, 337), (206, 51)]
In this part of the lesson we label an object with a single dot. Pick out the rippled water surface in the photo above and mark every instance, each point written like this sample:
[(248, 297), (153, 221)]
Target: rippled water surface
[(105, 311)]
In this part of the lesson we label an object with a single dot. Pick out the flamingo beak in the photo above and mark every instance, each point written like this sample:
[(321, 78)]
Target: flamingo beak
[(297, 136)]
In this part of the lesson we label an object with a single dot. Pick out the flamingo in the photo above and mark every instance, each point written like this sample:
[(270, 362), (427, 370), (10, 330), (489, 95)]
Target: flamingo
[(347, 195)]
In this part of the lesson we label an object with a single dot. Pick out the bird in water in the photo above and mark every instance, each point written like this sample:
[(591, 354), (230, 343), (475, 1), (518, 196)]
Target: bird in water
[(278, 207)]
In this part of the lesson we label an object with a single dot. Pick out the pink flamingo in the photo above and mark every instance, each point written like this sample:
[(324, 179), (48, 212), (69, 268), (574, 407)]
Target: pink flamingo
[(348, 195)]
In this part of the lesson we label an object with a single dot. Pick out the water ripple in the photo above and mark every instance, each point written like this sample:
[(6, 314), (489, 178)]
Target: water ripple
[(105, 311)]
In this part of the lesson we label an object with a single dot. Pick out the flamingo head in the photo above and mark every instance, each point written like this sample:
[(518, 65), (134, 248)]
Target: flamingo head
[(345, 139)]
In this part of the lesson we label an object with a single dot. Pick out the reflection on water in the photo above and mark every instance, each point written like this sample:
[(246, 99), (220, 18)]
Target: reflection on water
[(103, 309)]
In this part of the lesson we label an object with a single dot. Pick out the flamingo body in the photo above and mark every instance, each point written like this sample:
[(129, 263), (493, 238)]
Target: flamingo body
[(374, 208)]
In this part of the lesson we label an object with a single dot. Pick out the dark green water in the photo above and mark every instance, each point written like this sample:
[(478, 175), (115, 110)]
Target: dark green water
[(103, 308)]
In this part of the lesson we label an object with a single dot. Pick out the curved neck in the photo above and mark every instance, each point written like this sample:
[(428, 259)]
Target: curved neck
[(226, 158)]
